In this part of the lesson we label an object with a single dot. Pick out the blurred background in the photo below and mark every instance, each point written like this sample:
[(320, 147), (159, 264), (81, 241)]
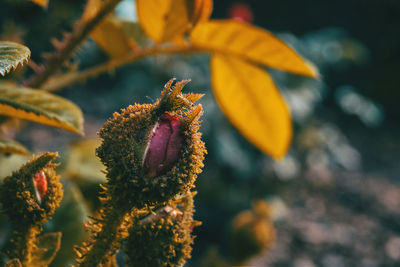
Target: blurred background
[(333, 201)]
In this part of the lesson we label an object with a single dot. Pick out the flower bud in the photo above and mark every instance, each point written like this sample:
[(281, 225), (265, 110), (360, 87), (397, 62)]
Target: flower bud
[(164, 147), (153, 151), (31, 194), (40, 185)]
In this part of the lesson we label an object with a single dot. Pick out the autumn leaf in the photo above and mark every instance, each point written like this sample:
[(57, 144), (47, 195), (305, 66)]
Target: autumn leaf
[(234, 38), (134, 31), (39, 106), (163, 20), (199, 10), (12, 147), (92, 7), (248, 97), (110, 37), (11, 55), (42, 3)]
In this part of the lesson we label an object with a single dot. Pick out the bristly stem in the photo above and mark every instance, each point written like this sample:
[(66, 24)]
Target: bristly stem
[(23, 242), (106, 242), (80, 33)]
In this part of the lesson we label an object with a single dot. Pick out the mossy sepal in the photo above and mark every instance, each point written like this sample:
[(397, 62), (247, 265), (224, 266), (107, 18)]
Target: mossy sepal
[(166, 235)]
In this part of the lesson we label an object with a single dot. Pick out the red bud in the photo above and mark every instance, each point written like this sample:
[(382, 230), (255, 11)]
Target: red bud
[(40, 184), (241, 12), (164, 147)]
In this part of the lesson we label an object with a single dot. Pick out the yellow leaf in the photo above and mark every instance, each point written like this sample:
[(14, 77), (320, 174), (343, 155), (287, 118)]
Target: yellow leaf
[(248, 97), (39, 106), (82, 165), (42, 3), (162, 20), (199, 10), (110, 37), (12, 55), (257, 45), (12, 147), (92, 7)]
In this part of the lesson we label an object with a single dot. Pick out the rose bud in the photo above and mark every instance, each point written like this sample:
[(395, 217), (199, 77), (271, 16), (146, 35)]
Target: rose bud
[(164, 147), (40, 184), (153, 151)]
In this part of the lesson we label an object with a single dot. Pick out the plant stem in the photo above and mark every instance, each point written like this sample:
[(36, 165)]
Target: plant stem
[(23, 243), (80, 33), (106, 241), (69, 79)]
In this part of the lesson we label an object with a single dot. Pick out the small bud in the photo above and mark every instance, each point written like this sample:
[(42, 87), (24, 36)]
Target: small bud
[(24, 191), (40, 184), (164, 147)]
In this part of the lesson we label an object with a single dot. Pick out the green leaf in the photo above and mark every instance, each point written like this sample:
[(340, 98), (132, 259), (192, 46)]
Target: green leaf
[(12, 147), (69, 218), (48, 246), (39, 106), (12, 54)]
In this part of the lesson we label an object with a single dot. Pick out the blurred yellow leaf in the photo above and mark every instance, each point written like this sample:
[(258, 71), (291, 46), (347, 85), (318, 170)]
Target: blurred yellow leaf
[(92, 7), (134, 31), (82, 165), (199, 10), (11, 55), (110, 37), (162, 20), (42, 3), (249, 99), (12, 147), (257, 45), (39, 106)]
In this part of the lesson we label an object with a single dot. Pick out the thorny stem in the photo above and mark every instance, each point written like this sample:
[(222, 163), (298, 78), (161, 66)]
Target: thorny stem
[(109, 237), (105, 239), (79, 35), (65, 80), (23, 242)]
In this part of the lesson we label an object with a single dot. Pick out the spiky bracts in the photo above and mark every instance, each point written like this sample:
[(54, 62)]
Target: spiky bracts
[(164, 238), (152, 152), (29, 197)]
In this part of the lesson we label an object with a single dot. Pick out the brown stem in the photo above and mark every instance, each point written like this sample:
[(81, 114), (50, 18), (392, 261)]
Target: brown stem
[(80, 34), (68, 79)]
